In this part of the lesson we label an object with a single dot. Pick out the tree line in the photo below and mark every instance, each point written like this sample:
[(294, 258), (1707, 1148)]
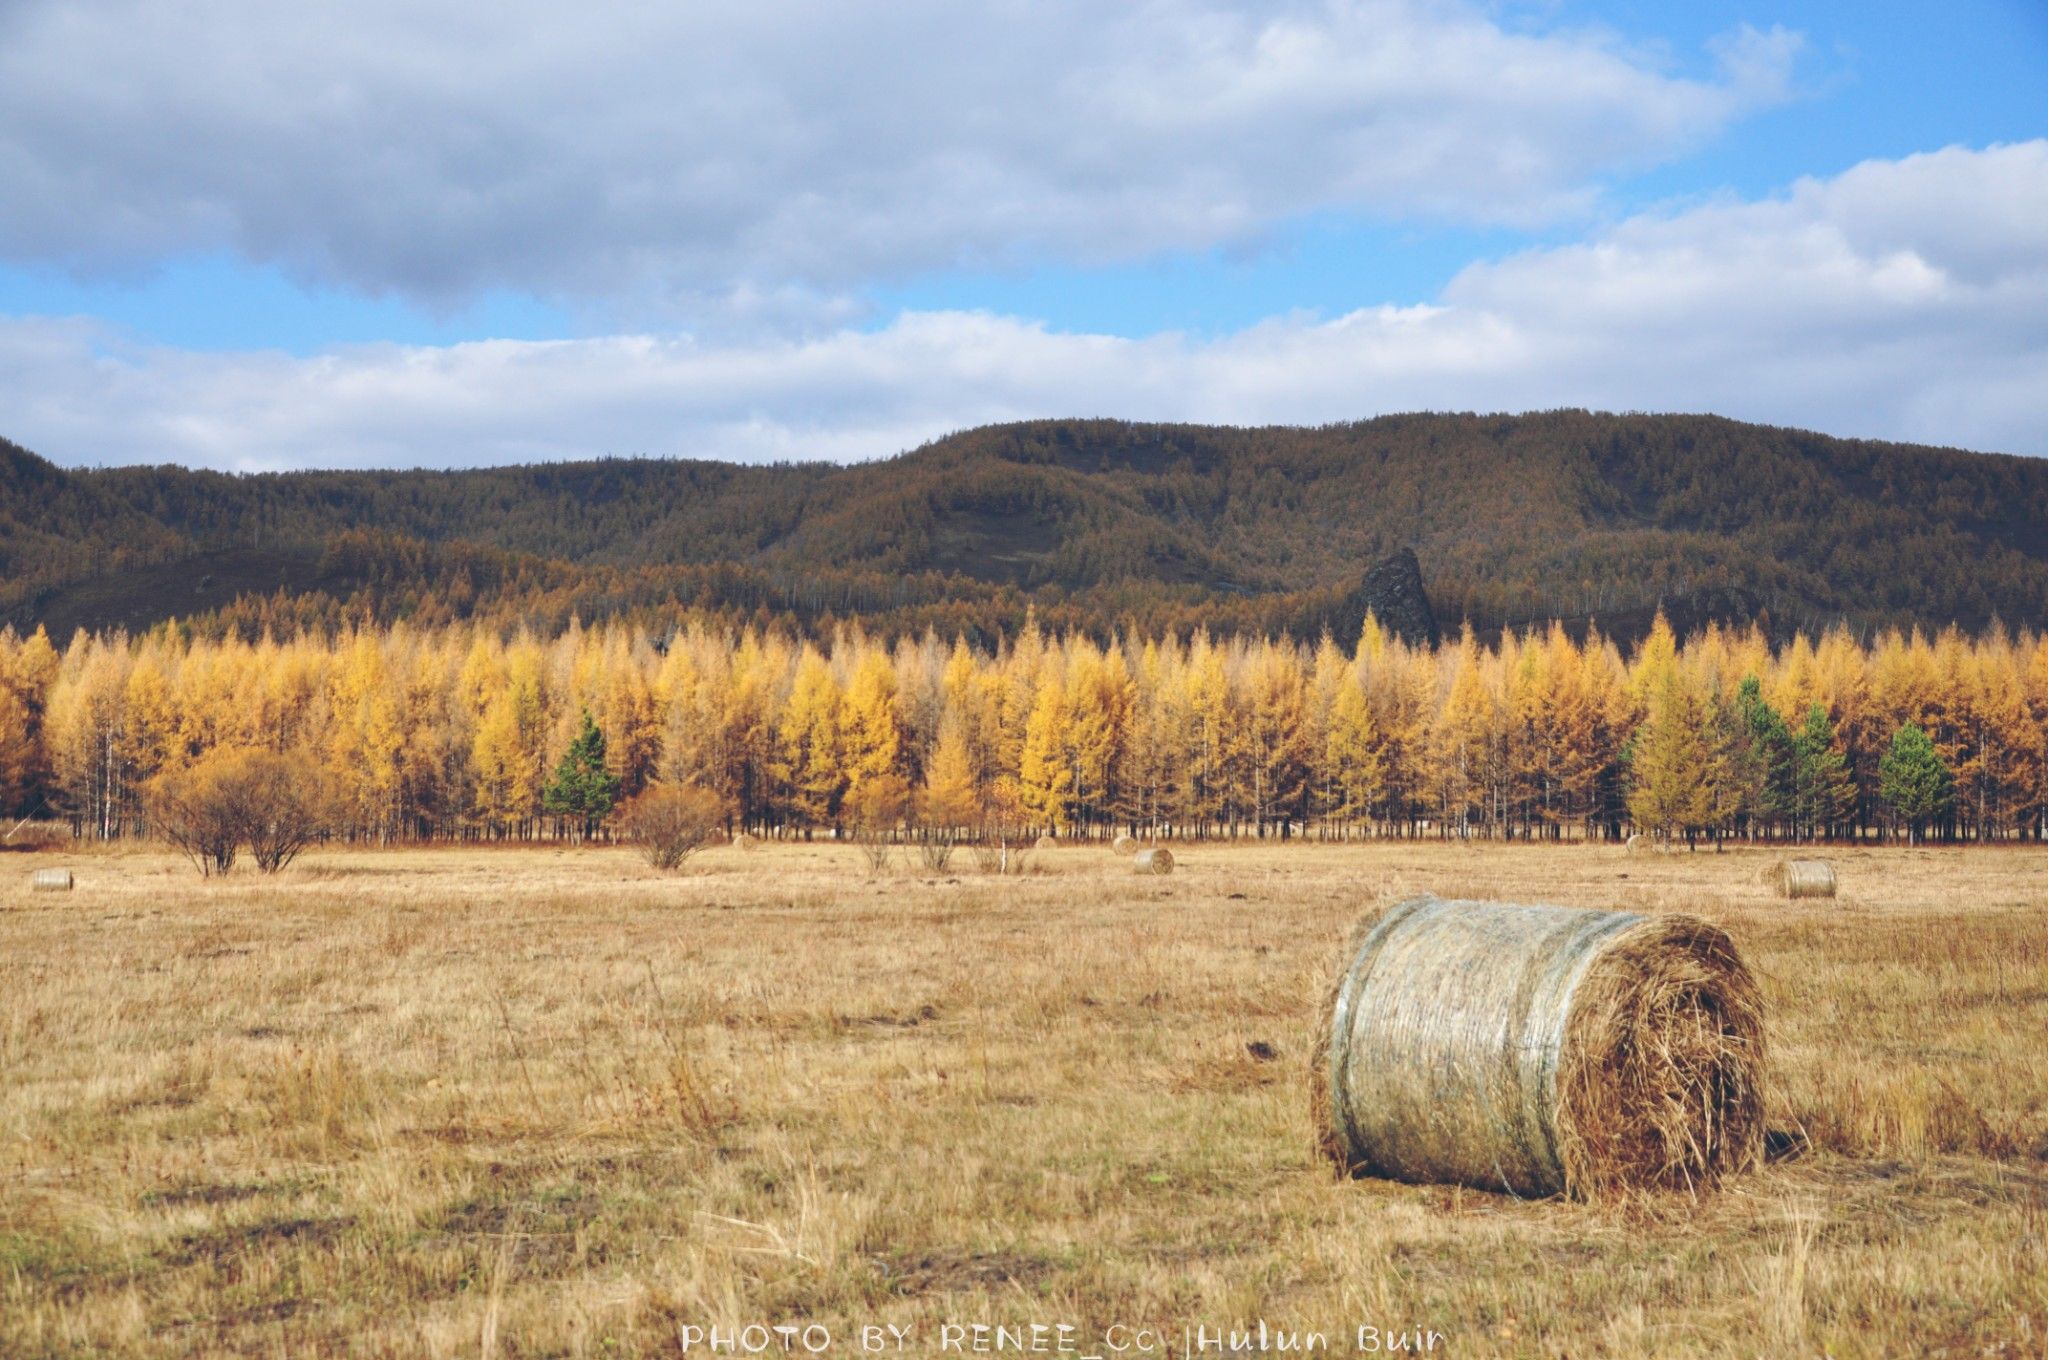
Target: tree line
[(465, 731)]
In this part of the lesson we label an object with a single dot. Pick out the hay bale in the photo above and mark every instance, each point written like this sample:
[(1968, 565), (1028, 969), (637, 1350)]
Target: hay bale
[(1540, 1050), (1124, 844), (1155, 859), (742, 841), (1636, 842), (50, 880), (1045, 843), (1800, 878)]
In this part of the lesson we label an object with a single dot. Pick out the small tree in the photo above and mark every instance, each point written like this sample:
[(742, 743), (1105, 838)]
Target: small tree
[(1913, 781), (583, 787), (670, 824)]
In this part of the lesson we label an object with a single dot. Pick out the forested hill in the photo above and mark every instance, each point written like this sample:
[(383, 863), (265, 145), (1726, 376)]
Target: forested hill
[(1095, 523)]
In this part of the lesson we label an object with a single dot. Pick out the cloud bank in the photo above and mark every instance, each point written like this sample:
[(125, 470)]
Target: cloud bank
[(690, 160), (1902, 299)]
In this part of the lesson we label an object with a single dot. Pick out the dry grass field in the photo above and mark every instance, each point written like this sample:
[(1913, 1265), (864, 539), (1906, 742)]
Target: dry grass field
[(531, 1102)]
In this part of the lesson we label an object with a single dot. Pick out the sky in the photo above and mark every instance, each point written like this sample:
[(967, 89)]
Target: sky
[(254, 237)]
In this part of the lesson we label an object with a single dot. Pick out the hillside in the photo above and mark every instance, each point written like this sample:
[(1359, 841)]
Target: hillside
[(1513, 519)]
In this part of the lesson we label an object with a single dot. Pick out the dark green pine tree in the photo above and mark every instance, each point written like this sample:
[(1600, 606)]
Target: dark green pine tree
[(1913, 781), (1823, 794), (582, 787), (1762, 759)]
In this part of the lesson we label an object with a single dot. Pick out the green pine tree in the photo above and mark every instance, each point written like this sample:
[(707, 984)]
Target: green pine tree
[(1763, 756), (583, 787), (1823, 794), (1913, 781)]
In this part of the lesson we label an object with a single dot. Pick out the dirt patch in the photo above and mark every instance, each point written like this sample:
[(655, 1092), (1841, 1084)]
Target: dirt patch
[(200, 1192), (956, 1272), (225, 1244)]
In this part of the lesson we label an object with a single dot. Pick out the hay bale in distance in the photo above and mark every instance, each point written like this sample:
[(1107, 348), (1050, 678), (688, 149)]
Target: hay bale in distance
[(1540, 1050), (50, 880), (1636, 842), (1124, 844), (1156, 859), (1045, 843), (743, 841), (1801, 878)]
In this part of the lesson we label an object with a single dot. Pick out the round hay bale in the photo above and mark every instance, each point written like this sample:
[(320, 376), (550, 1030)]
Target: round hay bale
[(1635, 842), (1045, 843), (50, 880), (1540, 1050), (743, 841), (1155, 859), (1801, 878), (1124, 844)]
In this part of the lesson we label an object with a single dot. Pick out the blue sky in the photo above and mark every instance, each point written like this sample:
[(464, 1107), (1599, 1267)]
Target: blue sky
[(251, 237)]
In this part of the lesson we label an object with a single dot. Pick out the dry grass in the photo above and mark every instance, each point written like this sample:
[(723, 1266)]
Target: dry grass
[(550, 1103)]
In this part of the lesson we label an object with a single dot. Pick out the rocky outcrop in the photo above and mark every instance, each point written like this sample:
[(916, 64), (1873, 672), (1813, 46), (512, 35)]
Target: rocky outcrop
[(1392, 593)]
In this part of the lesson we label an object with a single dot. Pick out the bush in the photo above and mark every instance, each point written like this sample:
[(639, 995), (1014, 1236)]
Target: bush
[(874, 809), (287, 803), (935, 846), (276, 803), (670, 824), (193, 809)]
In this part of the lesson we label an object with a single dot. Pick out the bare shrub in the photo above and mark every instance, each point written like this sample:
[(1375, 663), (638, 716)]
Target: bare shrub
[(1003, 848), (935, 846), (671, 823), (874, 810)]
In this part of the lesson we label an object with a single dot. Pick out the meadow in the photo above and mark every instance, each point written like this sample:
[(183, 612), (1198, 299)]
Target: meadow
[(547, 1102)]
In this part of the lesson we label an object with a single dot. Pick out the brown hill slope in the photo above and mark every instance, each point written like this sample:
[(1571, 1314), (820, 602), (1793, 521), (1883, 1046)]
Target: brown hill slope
[(1564, 514)]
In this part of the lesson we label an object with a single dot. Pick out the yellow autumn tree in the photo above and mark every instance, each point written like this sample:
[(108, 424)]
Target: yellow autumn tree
[(870, 733), (1045, 778), (807, 761), (951, 797)]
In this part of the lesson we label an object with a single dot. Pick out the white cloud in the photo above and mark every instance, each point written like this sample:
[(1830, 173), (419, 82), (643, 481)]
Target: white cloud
[(1902, 299), (787, 152)]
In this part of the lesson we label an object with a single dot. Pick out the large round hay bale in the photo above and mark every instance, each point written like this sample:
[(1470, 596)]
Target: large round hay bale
[(50, 880), (1540, 1050), (1635, 843), (1045, 843), (1124, 844), (743, 841), (1155, 859), (1801, 878)]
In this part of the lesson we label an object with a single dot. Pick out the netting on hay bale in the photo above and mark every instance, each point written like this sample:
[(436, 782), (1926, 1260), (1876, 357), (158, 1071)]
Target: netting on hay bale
[(1637, 842), (1124, 844), (1799, 878), (1540, 1050), (50, 880), (1155, 860)]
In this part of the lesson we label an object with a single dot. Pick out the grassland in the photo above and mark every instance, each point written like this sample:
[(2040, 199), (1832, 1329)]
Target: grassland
[(477, 1102)]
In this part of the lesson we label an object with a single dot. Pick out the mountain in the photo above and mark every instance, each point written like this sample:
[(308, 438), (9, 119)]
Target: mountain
[(1512, 520)]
